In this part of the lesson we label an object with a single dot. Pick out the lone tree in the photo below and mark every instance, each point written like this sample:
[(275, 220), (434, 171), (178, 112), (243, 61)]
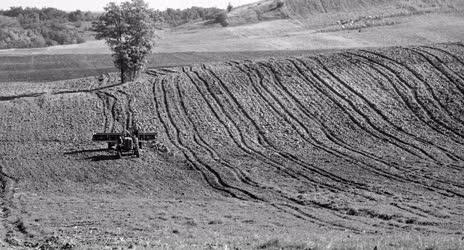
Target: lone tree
[(229, 7), (130, 33)]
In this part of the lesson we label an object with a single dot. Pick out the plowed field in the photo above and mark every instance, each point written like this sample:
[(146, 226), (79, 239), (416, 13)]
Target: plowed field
[(363, 142)]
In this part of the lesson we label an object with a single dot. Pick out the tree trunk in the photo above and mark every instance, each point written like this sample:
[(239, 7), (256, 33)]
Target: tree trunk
[(123, 78)]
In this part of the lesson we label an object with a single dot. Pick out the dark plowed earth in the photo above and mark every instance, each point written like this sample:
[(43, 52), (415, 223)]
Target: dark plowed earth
[(359, 140)]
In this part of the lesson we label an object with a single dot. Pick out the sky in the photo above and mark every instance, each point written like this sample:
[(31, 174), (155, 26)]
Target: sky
[(97, 5)]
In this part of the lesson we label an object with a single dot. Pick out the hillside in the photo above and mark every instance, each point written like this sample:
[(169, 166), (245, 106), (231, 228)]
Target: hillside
[(309, 11), (358, 142)]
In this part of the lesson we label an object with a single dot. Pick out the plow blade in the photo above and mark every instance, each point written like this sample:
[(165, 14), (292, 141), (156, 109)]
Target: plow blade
[(113, 137), (147, 136), (106, 137)]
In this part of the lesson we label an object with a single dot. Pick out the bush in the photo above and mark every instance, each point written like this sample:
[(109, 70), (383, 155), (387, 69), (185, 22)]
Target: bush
[(33, 27), (222, 19), (229, 7)]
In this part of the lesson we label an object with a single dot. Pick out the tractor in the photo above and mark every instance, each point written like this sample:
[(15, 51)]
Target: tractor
[(126, 143)]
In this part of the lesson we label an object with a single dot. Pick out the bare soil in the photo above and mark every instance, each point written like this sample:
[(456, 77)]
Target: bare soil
[(303, 151)]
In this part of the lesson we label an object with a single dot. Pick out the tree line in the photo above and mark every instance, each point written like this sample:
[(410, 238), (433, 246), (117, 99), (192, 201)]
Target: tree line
[(33, 27), (175, 17)]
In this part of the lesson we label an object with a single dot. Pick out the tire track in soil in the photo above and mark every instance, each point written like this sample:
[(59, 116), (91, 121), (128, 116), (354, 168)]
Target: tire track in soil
[(444, 52), (325, 206), (261, 133), (205, 171), (397, 128), (329, 134), (198, 138), (239, 174), (418, 77), (381, 134), (182, 114), (111, 107), (434, 123), (261, 138), (376, 110), (247, 150), (318, 205), (315, 143), (227, 110), (404, 102), (241, 142), (326, 130), (131, 119), (14, 97), (380, 171), (323, 92), (442, 68), (105, 111), (16, 234), (323, 126)]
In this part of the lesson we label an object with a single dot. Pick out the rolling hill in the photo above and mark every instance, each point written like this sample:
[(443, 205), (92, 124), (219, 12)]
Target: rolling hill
[(309, 11), (367, 142)]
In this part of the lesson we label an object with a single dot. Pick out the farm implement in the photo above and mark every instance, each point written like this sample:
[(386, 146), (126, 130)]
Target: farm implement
[(125, 144)]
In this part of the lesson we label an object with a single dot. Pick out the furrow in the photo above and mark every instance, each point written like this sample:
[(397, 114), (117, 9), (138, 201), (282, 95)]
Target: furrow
[(376, 110), (445, 52), (131, 120), (213, 153), (416, 100), (112, 107), (259, 186), (272, 162), (452, 76), (385, 135), (236, 103), (184, 114), (209, 169), (321, 124), (260, 132), (404, 102), (128, 113), (314, 142), (387, 174), (376, 133), (354, 120), (311, 168), (416, 75), (241, 143), (326, 130), (279, 193), (176, 141), (105, 111), (11, 221)]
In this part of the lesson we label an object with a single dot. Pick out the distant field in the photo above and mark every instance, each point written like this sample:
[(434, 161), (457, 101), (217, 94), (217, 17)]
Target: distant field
[(41, 68), (190, 45)]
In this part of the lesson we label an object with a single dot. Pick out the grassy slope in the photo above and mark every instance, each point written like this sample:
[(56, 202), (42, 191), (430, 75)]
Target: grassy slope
[(309, 11), (232, 130)]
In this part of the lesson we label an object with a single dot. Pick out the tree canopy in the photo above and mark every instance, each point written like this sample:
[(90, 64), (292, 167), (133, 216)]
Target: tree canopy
[(130, 32)]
